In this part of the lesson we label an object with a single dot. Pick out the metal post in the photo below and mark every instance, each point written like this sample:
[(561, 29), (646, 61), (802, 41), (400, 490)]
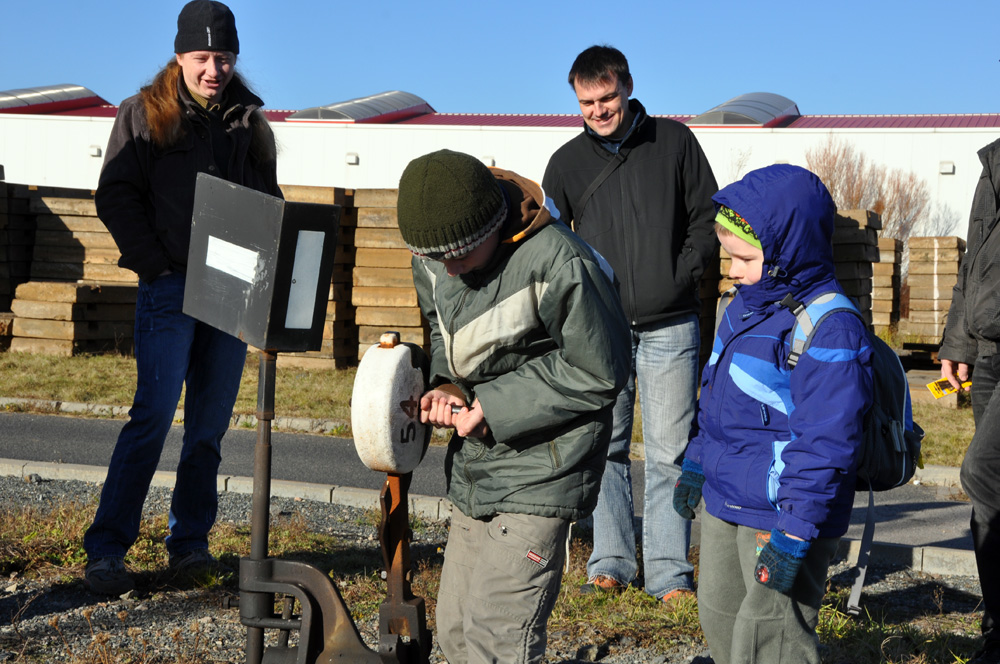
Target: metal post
[(261, 604)]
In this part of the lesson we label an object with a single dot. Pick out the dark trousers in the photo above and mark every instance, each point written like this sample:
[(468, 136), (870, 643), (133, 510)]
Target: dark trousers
[(171, 350), (981, 480)]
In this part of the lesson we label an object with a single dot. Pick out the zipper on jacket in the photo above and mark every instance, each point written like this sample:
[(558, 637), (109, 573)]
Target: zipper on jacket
[(626, 250), (554, 453)]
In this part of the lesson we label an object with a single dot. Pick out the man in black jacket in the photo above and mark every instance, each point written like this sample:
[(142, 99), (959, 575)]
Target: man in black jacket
[(971, 337), (639, 190)]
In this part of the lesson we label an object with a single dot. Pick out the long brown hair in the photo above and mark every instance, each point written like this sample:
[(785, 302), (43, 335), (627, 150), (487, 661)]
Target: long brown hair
[(165, 119)]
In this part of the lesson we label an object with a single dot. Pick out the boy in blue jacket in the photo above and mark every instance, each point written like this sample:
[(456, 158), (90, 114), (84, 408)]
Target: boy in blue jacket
[(772, 450)]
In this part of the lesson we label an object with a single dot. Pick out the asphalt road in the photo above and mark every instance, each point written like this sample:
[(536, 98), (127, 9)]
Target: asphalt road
[(913, 515)]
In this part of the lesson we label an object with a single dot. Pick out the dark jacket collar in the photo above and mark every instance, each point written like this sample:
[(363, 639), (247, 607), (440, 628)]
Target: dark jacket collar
[(638, 112)]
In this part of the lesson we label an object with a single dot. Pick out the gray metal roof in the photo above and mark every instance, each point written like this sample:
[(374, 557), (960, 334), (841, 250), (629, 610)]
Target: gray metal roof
[(755, 108), (394, 104), (50, 94)]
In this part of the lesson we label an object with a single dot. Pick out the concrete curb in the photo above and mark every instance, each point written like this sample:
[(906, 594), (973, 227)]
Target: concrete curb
[(927, 559)]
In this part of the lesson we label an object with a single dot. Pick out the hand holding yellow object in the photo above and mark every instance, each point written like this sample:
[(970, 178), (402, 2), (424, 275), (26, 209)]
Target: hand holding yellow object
[(941, 387)]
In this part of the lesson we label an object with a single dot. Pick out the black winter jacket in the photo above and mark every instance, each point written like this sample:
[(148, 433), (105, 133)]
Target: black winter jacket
[(145, 194), (652, 218), (973, 326)]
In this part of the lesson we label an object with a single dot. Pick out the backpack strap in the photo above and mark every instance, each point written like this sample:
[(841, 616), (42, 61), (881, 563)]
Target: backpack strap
[(616, 160), (808, 317), (724, 299), (864, 554)]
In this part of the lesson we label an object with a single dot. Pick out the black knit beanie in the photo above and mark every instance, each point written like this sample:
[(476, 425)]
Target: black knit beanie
[(448, 204), (206, 25)]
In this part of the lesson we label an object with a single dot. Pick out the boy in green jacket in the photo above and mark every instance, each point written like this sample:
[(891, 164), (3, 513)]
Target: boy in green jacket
[(529, 346)]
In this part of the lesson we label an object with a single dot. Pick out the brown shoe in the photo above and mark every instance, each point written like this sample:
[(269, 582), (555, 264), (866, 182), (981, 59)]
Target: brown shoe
[(671, 598), (601, 584)]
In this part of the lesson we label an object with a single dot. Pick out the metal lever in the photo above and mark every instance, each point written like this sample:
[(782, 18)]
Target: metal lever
[(401, 614)]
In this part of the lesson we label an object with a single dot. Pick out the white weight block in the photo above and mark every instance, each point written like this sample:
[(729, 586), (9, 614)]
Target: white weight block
[(385, 407)]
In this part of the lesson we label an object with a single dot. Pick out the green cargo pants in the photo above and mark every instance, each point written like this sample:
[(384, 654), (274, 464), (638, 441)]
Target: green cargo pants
[(745, 622), (499, 583)]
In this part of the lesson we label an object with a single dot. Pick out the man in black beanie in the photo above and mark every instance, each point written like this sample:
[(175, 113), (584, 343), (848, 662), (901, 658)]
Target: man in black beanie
[(528, 337), (197, 116)]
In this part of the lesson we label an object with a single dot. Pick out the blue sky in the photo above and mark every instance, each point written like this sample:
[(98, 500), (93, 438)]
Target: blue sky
[(874, 56)]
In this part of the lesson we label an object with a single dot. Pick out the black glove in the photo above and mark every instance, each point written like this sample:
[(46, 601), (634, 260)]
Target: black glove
[(779, 562), (687, 491)]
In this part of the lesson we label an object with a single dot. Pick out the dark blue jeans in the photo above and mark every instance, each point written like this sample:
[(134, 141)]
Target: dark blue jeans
[(171, 350), (981, 480)]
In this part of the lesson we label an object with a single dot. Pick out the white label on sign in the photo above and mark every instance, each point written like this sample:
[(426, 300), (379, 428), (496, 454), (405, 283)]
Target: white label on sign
[(305, 279), (232, 259)]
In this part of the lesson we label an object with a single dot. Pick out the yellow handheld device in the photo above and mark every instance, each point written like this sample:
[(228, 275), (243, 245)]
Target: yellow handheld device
[(941, 387)]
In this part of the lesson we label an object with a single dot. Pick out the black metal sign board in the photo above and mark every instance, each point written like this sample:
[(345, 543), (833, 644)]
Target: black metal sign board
[(259, 267)]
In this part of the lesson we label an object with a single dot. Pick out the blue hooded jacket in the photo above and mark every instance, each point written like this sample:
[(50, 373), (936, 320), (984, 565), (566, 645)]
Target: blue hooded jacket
[(777, 445)]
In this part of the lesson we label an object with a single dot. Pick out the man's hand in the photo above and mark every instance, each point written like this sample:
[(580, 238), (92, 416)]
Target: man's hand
[(956, 373)]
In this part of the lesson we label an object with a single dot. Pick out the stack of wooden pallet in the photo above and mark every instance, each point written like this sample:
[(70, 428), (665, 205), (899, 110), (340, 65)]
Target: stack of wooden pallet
[(17, 235), (6, 288), (78, 300), (886, 284), (855, 248), (340, 333), (933, 273), (71, 318), (71, 243), (384, 295)]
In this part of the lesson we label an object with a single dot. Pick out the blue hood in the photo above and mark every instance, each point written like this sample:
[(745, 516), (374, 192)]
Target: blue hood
[(792, 213)]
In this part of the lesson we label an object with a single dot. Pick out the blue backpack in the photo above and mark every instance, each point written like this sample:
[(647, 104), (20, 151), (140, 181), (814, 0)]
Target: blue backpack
[(890, 449)]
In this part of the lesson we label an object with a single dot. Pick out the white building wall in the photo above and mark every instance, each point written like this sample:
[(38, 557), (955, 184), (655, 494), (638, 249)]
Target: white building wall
[(60, 151)]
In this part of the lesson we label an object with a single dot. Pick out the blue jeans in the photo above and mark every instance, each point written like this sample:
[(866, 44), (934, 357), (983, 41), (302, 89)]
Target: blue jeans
[(171, 350), (981, 480), (665, 365)]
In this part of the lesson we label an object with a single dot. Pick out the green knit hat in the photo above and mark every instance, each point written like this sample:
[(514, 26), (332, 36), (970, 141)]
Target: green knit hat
[(448, 204)]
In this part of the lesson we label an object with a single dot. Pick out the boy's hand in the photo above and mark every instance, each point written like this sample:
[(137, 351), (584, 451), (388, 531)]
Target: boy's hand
[(436, 407), (444, 409), (956, 373), (687, 491), (779, 561), (472, 422)]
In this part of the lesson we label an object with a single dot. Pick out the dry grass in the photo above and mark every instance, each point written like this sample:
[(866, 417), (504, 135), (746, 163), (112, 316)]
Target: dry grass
[(948, 430), (49, 544)]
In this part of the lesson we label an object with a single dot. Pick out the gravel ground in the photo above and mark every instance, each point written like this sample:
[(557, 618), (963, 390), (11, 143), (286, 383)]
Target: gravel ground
[(176, 625)]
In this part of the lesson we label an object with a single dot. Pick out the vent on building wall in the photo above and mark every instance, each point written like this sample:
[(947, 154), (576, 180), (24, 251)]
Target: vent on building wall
[(385, 107), (757, 108)]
